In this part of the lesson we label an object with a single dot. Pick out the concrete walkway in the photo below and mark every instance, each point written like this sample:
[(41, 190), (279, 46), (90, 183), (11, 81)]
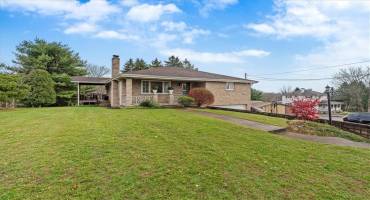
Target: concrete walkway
[(241, 122), (327, 140), (282, 131)]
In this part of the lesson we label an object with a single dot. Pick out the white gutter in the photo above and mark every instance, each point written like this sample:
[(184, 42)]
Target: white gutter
[(179, 78)]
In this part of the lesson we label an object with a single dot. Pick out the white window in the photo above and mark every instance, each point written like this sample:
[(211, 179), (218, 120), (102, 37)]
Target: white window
[(229, 86), (147, 87), (165, 87)]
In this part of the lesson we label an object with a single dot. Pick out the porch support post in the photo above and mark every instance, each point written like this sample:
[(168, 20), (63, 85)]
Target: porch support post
[(155, 98), (172, 99), (78, 93), (120, 92), (128, 92)]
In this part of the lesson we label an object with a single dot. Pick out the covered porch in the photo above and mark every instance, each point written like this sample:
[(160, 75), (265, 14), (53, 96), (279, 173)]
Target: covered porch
[(133, 91), (96, 94)]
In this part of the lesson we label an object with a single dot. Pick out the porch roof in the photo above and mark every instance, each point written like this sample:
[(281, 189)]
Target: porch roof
[(89, 80), (177, 73)]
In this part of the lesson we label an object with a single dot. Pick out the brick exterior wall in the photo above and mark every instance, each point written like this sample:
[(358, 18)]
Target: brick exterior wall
[(113, 94), (241, 95)]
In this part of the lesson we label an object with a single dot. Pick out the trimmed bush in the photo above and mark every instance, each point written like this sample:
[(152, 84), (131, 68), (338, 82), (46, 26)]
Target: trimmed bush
[(149, 104), (185, 101), (202, 96), (42, 91)]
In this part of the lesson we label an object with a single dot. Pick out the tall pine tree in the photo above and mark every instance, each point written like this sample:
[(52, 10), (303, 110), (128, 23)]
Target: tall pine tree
[(156, 63), (187, 65), (173, 61), (140, 64), (129, 65), (56, 59)]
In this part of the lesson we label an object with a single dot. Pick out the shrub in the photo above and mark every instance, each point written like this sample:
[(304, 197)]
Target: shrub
[(305, 108), (202, 96), (12, 89), (185, 101), (149, 104), (42, 91)]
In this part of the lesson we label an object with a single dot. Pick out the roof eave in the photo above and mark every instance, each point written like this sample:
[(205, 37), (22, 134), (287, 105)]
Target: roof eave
[(182, 78)]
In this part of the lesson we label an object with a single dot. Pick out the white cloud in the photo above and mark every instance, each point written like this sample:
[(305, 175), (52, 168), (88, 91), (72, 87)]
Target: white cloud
[(190, 35), (342, 27), (94, 10), (174, 26), (129, 3), (110, 34), (262, 28), (150, 13), (187, 33), (209, 5), (161, 40), (81, 28), (211, 57)]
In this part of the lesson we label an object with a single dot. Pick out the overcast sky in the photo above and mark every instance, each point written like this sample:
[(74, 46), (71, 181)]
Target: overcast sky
[(265, 39)]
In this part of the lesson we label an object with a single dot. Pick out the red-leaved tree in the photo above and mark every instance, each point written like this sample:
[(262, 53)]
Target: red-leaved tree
[(202, 96), (306, 108)]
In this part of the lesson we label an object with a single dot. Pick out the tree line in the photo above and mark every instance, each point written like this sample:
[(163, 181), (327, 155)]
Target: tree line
[(173, 61), (41, 73)]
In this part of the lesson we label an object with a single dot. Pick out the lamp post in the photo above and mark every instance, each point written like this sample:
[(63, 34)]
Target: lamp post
[(329, 90)]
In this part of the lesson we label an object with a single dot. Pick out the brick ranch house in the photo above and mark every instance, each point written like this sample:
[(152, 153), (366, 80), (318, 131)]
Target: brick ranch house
[(132, 88)]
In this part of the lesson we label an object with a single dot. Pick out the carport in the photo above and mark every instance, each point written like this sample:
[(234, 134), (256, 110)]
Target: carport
[(93, 81)]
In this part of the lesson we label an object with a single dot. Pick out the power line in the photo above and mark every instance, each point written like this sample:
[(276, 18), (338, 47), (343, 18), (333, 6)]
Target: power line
[(313, 68), (293, 79)]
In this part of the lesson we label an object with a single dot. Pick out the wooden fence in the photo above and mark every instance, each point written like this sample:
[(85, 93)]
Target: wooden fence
[(356, 128)]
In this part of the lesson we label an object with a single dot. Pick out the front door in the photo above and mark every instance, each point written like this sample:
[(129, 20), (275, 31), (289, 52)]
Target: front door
[(185, 88)]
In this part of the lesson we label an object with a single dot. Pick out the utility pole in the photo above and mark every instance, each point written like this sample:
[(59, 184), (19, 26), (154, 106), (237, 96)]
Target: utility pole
[(329, 90)]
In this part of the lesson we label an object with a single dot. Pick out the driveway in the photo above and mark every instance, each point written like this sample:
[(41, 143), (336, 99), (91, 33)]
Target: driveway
[(282, 131)]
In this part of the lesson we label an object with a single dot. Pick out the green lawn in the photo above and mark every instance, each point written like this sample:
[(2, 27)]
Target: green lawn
[(252, 117), (99, 153)]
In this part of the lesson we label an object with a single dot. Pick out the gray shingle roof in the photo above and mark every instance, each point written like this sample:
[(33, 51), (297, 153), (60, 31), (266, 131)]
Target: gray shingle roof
[(89, 80), (181, 72)]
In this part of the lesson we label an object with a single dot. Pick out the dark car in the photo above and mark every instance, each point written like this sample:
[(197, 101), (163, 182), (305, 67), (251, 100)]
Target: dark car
[(363, 118)]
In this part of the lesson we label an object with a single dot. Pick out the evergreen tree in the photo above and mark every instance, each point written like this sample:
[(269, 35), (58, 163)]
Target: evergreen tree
[(140, 64), (187, 65), (129, 65), (55, 58), (173, 62), (156, 63), (12, 89), (256, 95), (42, 91)]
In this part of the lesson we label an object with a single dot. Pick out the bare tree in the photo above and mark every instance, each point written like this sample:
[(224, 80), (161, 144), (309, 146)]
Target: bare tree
[(353, 88), (96, 71), (286, 90), (352, 75)]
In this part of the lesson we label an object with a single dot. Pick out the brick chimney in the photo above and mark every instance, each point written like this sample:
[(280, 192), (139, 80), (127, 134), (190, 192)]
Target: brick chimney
[(115, 65)]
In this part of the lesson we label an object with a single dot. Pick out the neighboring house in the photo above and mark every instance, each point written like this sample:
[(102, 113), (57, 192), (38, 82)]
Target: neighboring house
[(310, 94), (132, 88), (271, 107)]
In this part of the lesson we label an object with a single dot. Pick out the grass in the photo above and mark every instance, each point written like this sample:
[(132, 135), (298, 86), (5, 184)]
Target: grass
[(99, 153), (252, 117), (314, 128)]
